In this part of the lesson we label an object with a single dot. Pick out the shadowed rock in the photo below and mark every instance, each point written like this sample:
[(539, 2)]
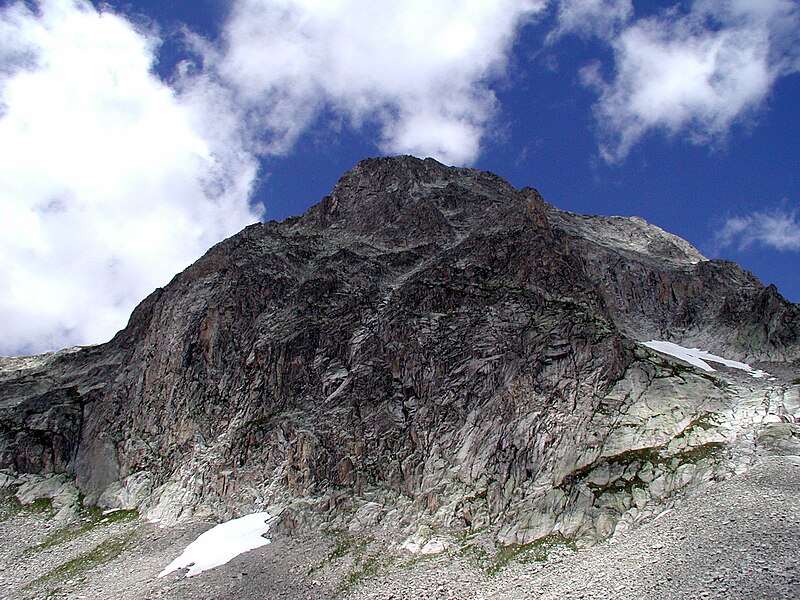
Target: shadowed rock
[(428, 340)]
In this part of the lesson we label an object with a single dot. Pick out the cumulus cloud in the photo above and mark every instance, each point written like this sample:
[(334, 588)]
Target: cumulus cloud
[(777, 229), (418, 70), (601, 18), (696, 73), (110, 181)]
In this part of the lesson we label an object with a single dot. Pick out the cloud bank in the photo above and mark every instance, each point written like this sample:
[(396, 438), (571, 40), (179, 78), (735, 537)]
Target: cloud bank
[(777, 229), (601, 18), (420, 71), (110, 181), (695, 74)]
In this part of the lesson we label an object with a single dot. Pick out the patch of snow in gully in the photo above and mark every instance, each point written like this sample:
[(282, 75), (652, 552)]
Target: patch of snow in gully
[(221, 544), (698, 358)]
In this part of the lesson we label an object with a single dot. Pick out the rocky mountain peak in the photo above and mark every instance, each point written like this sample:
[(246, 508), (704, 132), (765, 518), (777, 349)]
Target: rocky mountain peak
[(427, 349), (410, 201), (632, 236)]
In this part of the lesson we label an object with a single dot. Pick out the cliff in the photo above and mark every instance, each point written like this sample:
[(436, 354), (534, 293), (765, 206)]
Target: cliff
[(426, 346)]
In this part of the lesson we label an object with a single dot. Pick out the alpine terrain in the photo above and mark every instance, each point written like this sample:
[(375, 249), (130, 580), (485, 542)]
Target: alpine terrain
[(436, 386)]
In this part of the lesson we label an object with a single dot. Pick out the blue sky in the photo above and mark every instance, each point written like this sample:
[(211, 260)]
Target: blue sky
[(135, 135)]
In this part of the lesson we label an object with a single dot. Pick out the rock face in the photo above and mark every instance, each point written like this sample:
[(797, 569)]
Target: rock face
[(426, 346)]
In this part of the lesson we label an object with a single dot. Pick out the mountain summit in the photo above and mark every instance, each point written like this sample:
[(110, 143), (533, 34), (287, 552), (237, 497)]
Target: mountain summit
[(426, 349)]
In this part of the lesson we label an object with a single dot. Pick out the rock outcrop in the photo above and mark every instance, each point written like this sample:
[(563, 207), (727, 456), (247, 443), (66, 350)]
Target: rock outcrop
[(427, 346)]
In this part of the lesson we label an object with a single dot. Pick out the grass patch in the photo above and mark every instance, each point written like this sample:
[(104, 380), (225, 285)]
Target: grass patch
[(535, 551), (90, 518), (702, 452), (10, 507), (705, 422), (78, 566), (656, 455), (643, 455)]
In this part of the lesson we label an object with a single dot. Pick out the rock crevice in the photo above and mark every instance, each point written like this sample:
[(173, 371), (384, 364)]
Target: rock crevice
[(427, 342)]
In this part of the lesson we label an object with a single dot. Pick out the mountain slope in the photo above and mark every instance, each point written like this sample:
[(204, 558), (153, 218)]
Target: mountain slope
[(426, 348)]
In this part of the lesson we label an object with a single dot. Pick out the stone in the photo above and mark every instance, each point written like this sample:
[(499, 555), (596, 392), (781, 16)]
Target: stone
[(779, 439), (640, 497), (600, 475), (58, 488), (434, 546), (428, 342), (366, 516)]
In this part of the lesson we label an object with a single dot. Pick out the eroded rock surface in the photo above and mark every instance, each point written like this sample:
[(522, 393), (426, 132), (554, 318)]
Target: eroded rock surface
[(428, 347)]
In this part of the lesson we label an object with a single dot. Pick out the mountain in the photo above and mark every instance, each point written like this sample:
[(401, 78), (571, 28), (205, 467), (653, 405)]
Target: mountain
[(427, 353)]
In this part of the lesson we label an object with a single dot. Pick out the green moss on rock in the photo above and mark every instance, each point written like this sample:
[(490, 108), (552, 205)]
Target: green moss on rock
[(91, 518), (77, 567), (10, 507), (536, 551)]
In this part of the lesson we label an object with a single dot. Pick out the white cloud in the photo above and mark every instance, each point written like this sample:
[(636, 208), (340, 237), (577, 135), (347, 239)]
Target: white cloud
[(696, 73), (778, 229), (601, 18), (110, 182), (419, 70)]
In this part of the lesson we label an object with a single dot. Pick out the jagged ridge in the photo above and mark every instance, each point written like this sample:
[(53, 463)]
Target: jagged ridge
[(427, 340)]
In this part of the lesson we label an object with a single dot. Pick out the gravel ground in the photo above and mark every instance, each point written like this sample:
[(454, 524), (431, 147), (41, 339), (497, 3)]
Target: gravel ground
[(739, 539), (138, 551)]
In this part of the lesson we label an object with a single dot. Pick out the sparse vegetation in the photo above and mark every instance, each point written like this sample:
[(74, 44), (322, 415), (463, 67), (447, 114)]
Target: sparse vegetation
[(11, 507), (366, 567), (655, 455), (702, 452), (78, 566), (364, 562), (346, 543), (91, 517), (102, 548), (536, 551)]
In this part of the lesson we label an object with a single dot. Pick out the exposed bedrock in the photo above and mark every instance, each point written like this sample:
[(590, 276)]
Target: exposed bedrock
[(426, 346)]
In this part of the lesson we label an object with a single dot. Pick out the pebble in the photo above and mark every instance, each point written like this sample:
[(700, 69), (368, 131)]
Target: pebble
[(660, 560)]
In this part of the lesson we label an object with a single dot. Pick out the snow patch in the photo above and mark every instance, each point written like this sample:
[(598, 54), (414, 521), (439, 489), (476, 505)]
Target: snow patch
[(221, 544), (698, 358)]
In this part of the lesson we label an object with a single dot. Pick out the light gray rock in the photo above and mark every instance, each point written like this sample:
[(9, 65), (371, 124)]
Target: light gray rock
[(429, 340)]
